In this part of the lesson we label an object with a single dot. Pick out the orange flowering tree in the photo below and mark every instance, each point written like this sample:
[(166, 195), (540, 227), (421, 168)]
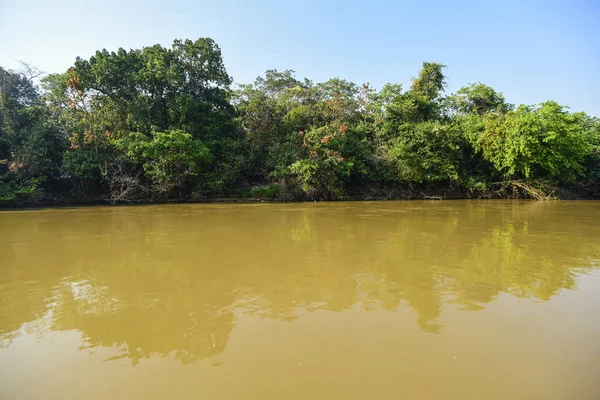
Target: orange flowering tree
[(322, 168)]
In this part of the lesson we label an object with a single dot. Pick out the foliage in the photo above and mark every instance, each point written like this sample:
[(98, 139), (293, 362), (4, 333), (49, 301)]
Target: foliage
[(430, 82), (592, 161), (322, 168), (478, 99), (264, 192), (14, 190), (167, 158), (161, 123), (156, 88), (427, 152), (535, 142)]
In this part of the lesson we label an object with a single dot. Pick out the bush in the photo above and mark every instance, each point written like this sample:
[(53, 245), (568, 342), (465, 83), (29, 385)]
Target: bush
[(15, 191), (265, 192), (428, 151), (535, 142), (168, 159)]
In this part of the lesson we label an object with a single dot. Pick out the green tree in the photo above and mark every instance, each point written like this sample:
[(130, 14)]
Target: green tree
[(169, 159), (160, 123), (479, 99), (430, 82), (427, 152), (30, 146), (535, 142)]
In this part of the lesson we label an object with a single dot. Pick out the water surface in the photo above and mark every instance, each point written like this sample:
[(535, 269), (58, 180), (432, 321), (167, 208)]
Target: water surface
[(382, 300)]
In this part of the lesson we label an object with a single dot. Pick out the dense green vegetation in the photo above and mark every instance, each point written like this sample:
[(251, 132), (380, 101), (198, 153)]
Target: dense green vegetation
[(159, 124)]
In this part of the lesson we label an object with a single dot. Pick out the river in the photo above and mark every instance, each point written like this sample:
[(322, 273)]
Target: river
[(374, 300)]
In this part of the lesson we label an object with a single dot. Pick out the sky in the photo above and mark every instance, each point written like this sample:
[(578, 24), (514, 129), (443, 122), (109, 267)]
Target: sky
[(530, 50)]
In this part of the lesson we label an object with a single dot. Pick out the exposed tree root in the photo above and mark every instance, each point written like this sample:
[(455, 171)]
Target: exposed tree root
[(535, 189)]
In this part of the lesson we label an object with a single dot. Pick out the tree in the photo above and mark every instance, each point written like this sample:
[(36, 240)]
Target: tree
[(263, 108), (427, 152), (159, 123), (168, 159), (430, 82), (184, 88), (478, 99), (30, 146), (535, 142)]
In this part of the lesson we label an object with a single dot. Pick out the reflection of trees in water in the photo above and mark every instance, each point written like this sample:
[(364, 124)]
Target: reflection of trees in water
[(170, 282), (147, 325)]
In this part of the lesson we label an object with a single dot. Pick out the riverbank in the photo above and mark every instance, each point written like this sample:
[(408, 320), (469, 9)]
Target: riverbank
[(87, 136), (531, 190)]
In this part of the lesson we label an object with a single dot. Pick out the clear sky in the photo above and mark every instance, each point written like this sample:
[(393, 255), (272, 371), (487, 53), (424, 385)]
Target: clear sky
[(530, 50)]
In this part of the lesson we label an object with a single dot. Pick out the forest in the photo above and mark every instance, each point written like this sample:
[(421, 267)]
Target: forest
[(163, 124)]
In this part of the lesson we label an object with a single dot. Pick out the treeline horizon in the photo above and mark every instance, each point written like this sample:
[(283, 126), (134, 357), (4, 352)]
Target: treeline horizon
[(167, 124)]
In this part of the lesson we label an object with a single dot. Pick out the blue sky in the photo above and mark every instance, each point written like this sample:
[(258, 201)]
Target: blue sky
[(530, 50)]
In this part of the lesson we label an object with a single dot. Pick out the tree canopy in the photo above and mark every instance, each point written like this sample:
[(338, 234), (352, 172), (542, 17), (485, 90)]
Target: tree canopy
[(158, 123)]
